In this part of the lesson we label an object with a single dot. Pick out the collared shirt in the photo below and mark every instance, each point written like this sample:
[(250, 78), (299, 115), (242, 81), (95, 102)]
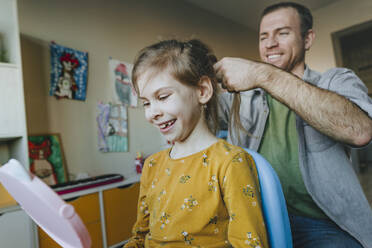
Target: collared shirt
[(325, 167)]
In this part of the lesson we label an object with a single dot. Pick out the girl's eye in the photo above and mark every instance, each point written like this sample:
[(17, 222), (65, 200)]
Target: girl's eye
[(145, 104), (163, 97)]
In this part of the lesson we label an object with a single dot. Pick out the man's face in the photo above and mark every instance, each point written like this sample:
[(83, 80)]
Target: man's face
[(281, 43)]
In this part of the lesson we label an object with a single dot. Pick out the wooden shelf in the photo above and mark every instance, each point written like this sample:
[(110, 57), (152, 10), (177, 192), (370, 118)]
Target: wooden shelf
[(9, 137), (11, 65)]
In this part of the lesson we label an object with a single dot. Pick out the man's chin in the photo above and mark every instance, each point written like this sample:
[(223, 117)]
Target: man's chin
[(278, 65)]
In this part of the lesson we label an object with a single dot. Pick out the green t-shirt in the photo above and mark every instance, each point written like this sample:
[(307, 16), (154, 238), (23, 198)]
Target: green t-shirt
[(280, 147)]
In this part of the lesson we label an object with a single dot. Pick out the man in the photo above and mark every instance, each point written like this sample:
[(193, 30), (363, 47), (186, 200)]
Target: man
[(301, 121)]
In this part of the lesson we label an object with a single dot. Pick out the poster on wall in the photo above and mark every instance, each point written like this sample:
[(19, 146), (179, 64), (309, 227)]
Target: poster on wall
[(121, 79), (112, 125), (68, 75), (47, 159)]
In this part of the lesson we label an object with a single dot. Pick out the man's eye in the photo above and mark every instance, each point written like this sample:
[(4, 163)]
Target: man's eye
[(284, 33), (262, 38)]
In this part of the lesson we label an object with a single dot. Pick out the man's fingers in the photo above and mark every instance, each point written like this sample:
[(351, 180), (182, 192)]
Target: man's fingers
[(221, 89), (221, 76), (217, 66), (222, 81)]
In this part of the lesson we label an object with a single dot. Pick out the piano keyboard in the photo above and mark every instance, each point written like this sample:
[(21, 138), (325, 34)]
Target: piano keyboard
[(86, 183)]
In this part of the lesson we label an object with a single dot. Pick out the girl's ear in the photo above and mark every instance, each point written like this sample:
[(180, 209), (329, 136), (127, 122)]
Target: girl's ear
[(205, 90)]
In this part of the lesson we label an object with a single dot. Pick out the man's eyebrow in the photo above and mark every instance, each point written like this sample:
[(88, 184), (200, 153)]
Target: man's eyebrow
[(281, 28), (276, 30)]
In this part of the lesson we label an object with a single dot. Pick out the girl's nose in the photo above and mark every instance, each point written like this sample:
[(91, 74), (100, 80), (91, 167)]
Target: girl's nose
[(153, 112)]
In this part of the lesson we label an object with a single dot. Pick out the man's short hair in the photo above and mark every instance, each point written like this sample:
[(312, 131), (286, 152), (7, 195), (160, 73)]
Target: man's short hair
[(306, 19)]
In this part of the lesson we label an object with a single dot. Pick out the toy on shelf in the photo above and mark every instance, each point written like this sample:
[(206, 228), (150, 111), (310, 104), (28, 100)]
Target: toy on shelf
[(138, 163)]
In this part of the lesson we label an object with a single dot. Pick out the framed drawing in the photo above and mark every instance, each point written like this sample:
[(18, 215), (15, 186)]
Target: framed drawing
[(47, 159), (69, 72)]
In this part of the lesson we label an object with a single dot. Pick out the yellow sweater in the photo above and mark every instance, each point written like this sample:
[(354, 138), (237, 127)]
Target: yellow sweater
[(208, 199)]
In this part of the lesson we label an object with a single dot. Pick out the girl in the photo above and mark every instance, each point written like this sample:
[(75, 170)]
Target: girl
[(203, 191)]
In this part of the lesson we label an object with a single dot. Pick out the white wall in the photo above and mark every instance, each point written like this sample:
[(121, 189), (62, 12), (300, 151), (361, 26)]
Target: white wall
[(117, 28), (333, 18)]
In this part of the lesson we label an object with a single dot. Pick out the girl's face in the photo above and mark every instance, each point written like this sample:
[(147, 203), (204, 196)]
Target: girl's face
[(170, 106)]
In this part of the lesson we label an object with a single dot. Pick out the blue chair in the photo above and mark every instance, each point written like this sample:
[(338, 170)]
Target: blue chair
[(273, 203)]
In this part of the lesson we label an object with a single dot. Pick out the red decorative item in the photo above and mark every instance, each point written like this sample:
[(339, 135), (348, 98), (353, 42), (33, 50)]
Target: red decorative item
[(138, 163)]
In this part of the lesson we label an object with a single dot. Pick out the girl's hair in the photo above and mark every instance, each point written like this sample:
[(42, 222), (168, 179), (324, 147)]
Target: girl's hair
[(188, 62)]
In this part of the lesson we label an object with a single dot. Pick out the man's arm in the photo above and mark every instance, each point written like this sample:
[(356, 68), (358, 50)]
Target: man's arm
[(328, 112)]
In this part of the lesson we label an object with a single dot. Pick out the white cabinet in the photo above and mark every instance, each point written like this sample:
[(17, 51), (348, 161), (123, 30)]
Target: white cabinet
[(108, 212), (15, 226), (11, 117), (15, 229), (13, 136)]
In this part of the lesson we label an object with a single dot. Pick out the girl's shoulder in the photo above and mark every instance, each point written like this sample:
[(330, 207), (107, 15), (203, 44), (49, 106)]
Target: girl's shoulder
[(226, 148), (151, 166), (225, 153), (226, 157), (156, 157)]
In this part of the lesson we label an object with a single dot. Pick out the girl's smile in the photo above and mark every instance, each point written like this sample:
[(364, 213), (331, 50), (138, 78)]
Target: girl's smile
[(166, 126)]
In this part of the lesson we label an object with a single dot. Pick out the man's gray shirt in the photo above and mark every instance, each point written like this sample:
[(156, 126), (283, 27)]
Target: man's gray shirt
[(326, 169)]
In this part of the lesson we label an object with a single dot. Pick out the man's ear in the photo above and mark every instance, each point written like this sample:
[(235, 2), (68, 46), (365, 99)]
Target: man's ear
[(309, 39), (205, 90)]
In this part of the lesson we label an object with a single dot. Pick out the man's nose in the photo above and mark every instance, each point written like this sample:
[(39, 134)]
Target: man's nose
[(271, 42)]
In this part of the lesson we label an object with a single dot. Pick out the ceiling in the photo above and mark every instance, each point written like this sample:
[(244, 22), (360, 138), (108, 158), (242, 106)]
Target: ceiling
[(247, 12)]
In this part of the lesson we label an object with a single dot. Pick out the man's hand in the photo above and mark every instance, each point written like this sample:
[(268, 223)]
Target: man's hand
[(236, 74)]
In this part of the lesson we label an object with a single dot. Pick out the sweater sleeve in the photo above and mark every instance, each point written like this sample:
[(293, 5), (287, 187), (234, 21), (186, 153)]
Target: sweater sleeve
[(243, 202), (141, 227)]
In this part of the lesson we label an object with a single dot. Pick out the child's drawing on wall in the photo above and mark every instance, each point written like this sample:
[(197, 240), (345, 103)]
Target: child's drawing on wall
[(112, 128), (40, 165), (120, 76), (68, 72), (46, 158)]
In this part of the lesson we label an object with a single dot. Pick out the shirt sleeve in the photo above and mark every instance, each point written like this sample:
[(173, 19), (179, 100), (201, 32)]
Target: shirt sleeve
[(243, 202), (344, 82), (141, 227), (224, 105)]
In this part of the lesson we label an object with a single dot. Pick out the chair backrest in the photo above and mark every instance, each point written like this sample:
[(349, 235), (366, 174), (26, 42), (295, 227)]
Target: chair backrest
[(273, 204)]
